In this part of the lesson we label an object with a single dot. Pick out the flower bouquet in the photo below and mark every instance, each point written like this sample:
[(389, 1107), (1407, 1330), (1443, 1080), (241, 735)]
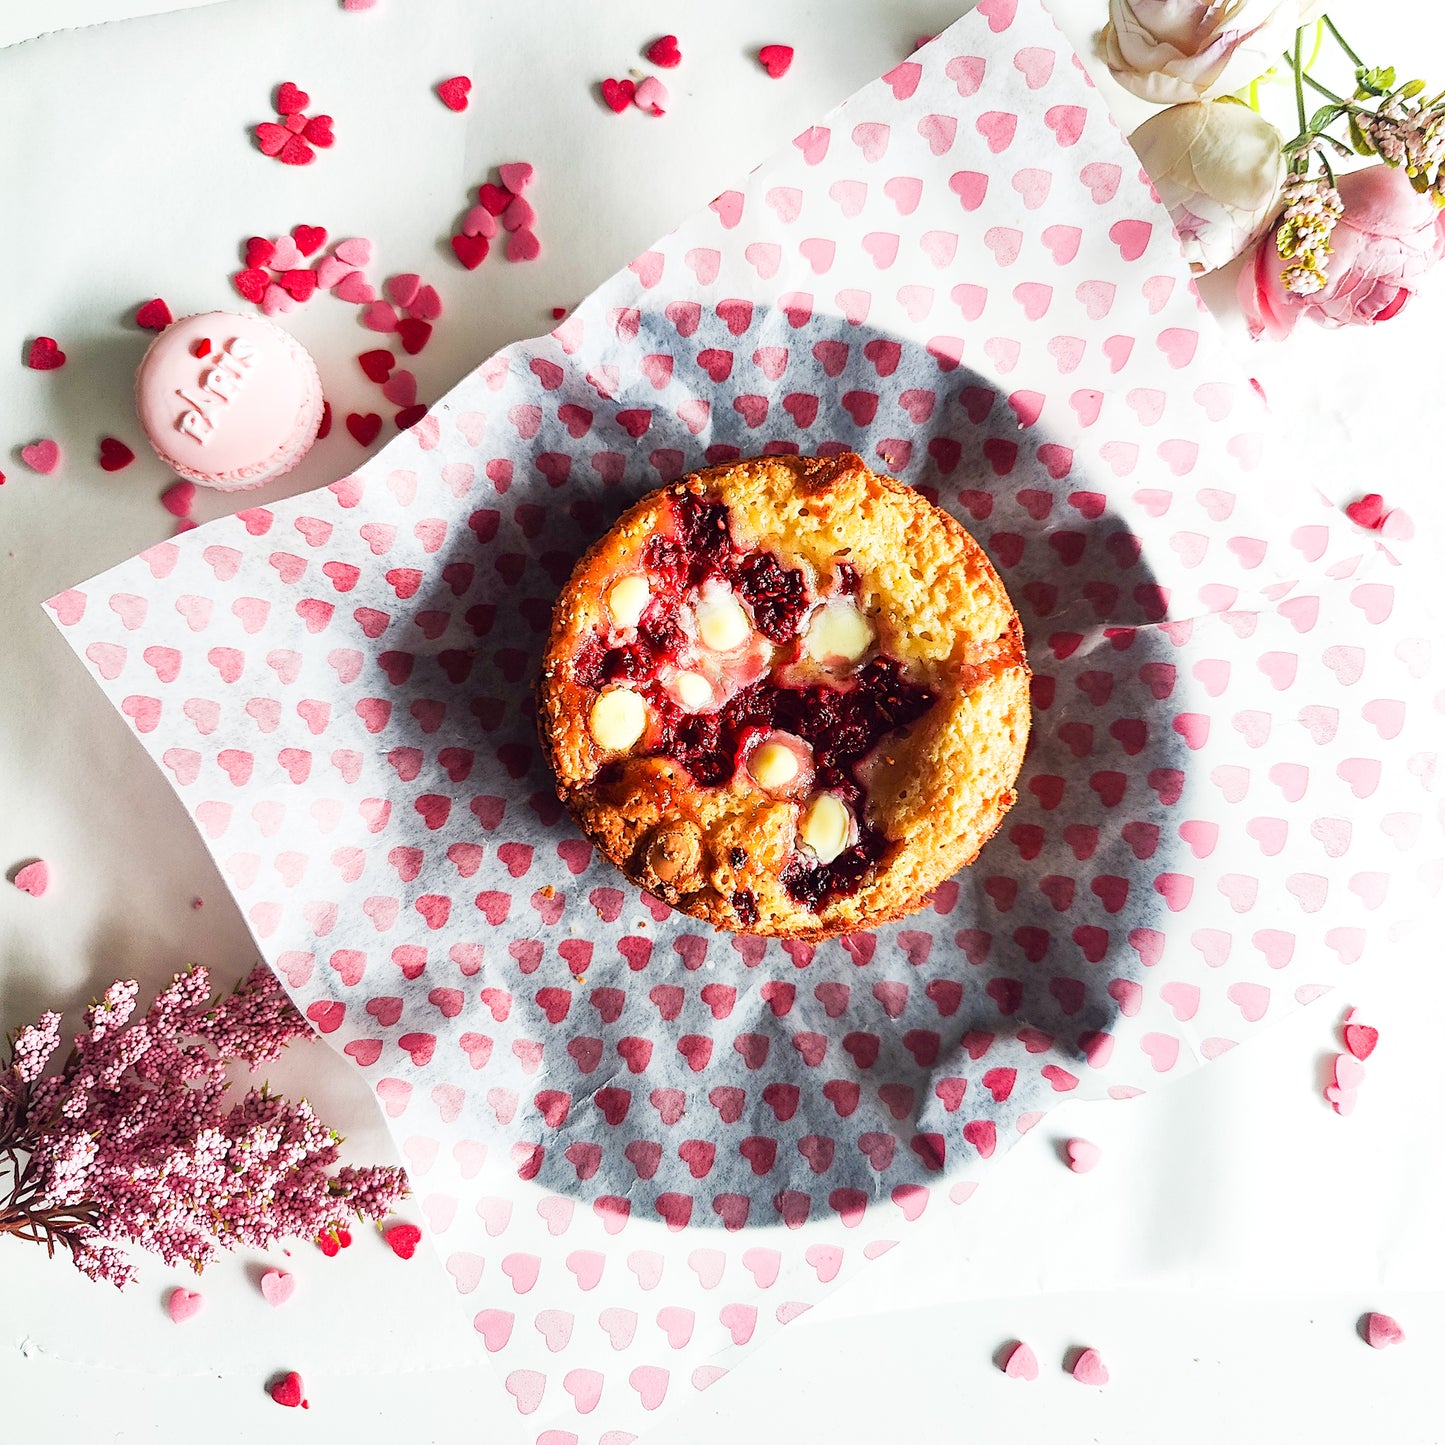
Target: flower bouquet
[(1341, 249)]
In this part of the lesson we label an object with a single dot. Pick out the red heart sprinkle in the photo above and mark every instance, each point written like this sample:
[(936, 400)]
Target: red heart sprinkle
[(776, 59), (201, 347), (290, 99), (414, 334), (309, 239), (289, 1391), (343, 1238), (154, 316), (408, 416), (1368, 511), (44, 355), (454, 92), (324, 430), (295, 124), (471, 251), (495, 198), (377, 364), (618, 94), (300, 284), (259, 251), (329, 1245), (272, 137), (364, 427), (403, 1239), (558, 312), (664, 52), (251, 283), (318, 131), (297, 153), (115, 456), (1360, 1040)]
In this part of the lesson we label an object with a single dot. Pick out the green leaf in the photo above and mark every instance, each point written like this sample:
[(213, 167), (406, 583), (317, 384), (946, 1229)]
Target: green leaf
[(1359, 139), (1412, 89), (1326, 115), (1375, 80), (1420, 182)]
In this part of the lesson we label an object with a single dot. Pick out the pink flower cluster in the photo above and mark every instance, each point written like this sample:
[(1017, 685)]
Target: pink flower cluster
[(132, 1139)]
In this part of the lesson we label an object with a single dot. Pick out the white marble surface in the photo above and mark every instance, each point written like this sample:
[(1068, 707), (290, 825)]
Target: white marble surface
[(1221, 1254)]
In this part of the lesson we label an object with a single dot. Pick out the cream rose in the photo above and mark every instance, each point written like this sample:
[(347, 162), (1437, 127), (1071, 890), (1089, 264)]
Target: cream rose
[(1218, 170), (1169, 51)]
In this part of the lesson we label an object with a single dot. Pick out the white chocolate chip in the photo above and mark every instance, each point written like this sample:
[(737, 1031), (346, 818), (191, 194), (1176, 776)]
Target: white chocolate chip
[(722, 625), (627, 599), (692, 690), (839, 633), (825, 827), (618, 719), (773, 765)]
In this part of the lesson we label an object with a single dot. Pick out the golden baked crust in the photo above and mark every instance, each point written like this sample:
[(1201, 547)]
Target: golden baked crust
[(936, 789)]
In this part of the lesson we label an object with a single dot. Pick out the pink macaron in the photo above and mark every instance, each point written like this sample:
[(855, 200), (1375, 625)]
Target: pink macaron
[(228, 401)]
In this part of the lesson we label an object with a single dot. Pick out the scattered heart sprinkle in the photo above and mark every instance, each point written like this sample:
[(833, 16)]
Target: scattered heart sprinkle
[(290, 1391), (776, 59), (277, 1287), (1021, 1363), (33, 878), (664, 52), (364, 427), (44, 355), (1089, 1369), (455, 92), (617, 94), (1360, 1040), (1082, 1155), (154, 315), (115, 456), (42, 456), (1367, 511), (179, 498), (183, 1304), (403, 1239), (651, 95), (1381, 1331)]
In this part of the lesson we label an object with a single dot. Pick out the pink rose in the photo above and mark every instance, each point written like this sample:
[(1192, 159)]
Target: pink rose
[(1171, 51), (1386, 240)]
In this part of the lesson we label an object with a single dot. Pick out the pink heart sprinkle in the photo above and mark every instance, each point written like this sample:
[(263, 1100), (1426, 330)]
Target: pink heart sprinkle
[(1382, 1331), (516, 176), (355, 252), (1022, 1363), (41, 456), (1089, 1369), (1343, 1100), (183, 1304), (359, 291), (179, 498), (1360, 1039), (277, 1286), (379, 316), (33, 878), (1349, 1071), (523, 246), (1082, 1155), (329, 271), (425, 305), (401, 290), (651, 95), (479, 221)]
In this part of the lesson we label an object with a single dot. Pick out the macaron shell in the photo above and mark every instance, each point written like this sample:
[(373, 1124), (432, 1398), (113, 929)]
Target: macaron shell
[(228, 424)]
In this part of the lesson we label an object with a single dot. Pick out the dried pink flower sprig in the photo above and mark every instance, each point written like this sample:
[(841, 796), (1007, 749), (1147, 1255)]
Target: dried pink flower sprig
[(131, 1139)]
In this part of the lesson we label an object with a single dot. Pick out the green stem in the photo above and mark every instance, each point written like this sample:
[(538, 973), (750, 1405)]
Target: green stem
[(1299, 90), (1342, 42)]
